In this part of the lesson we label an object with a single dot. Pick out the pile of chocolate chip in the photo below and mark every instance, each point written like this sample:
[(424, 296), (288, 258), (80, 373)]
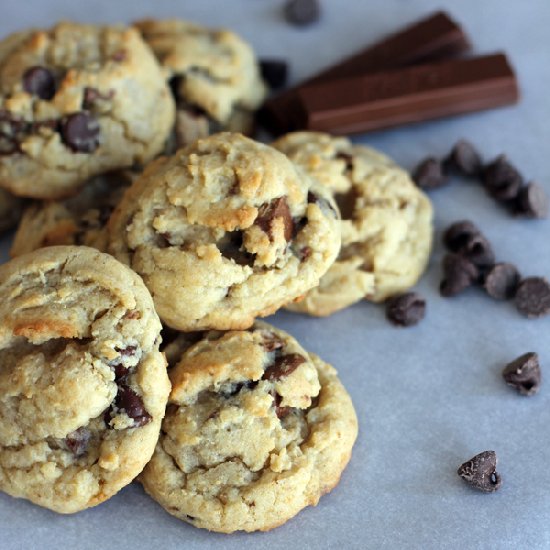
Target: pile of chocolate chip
[(500, 178)]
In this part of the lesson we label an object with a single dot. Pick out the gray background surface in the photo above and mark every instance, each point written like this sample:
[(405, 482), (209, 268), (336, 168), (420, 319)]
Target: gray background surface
[(428, 397)]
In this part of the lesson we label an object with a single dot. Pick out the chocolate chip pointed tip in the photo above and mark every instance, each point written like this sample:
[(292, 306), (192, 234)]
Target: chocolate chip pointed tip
[(464, 159), (524, 374), (480, 472), (501, 179)]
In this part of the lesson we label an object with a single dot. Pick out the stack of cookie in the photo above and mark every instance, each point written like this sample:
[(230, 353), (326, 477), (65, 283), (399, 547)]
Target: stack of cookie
[(245, 427)]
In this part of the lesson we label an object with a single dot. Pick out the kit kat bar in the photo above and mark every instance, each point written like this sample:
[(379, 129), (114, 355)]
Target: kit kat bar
[(411, 94), (434, 37)]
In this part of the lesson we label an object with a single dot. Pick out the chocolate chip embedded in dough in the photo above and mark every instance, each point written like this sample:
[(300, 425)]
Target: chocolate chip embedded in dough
[(283, 366), (39, 81), (268, 213), (78, 441), (80, 132), (129, 401)]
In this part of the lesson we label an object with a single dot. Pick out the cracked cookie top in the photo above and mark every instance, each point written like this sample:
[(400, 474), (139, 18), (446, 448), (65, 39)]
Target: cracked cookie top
[(81, 219), (256, 429), (224, 231), (213, 74), (76, 101), (83, 387), (386, 221)]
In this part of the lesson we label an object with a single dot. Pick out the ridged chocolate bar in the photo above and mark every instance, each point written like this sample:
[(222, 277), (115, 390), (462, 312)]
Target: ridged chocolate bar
[(432, 38), (412, 94)]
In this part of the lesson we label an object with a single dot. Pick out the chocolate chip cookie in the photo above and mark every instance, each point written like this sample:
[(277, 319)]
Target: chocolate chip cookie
[(214, 76), (76, 101), (256, 429), (83, 386), (81, 219), (386, 221), (224, 231)]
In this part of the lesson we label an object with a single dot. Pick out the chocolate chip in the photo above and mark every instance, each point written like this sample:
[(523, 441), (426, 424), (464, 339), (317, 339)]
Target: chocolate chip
[(457, 235), (302, 12), (458, 274), (429, 174), (129, 401), (480, 472), (532, 201), (80, 132), (230, 390), (347, 158), (274, 72), (501, 179), (281, 412), (323, 204), (39, 81), (533, 297), (283, 366), (524, 374), (132, 314), (272, 342), (465, 159), (405, 310), (464, 238), (268, 213), (501, 281), (346, 203), (119, 56), (77, 441), (232, 248)]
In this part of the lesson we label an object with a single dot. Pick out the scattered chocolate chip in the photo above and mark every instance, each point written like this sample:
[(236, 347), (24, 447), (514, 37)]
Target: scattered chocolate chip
[(457, 235), (302, 12), (533, 297), (283, 366), (274, 72), (465, 159), (77, 441), (129, 401), (464, 238), (458, 274), (429, 174), (190, 518), (80, 132), (480, 472), (39, 81), (268, 213), (501, 281), (532, 201), (405, 310), (501, 179), (524, 374)]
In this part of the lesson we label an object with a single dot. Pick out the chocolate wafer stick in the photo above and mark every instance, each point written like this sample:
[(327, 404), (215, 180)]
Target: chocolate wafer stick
[(435, 37), (411, 94)]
